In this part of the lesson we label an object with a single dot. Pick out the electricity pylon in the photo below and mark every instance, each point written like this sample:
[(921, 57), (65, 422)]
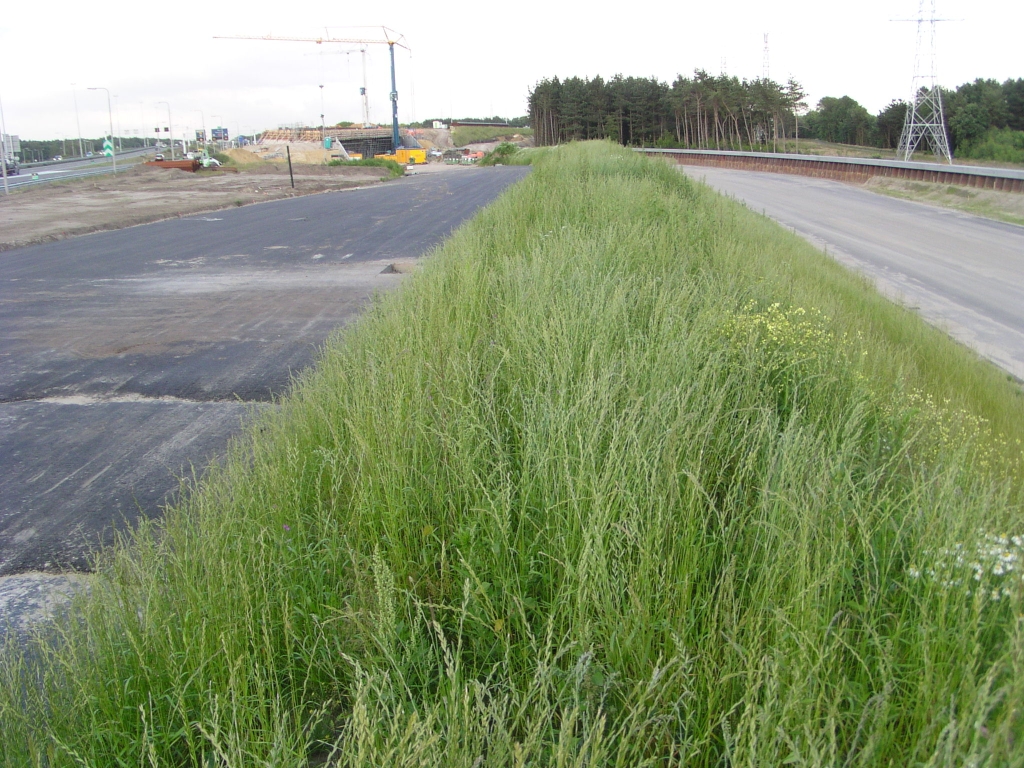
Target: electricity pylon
[(924, 109)]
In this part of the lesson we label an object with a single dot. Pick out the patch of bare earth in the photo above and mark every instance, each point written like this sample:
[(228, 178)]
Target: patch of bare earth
[(143, 194), (993, 204)]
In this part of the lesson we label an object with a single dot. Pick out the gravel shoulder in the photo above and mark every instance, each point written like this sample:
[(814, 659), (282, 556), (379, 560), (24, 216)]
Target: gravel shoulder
[(143, 194)]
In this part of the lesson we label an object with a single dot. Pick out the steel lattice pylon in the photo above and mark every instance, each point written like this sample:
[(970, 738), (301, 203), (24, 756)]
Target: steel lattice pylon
[(924, 109)]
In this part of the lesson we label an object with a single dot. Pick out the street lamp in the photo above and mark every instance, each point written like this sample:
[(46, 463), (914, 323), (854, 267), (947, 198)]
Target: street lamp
[(3, 148), (110, 116), (323, 131), (170, 126), (81, 147), (117, 108)]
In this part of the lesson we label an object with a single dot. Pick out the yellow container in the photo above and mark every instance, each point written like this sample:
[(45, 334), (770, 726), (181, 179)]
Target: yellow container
[(406, 156)]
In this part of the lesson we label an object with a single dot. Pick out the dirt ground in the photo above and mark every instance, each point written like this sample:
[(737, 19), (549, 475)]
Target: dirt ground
[(1004, 206), (60, 209)]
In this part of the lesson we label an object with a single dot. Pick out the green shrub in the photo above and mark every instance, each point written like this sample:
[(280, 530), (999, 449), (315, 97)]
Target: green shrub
[(394, 169), (1002, 145), (504, 154)]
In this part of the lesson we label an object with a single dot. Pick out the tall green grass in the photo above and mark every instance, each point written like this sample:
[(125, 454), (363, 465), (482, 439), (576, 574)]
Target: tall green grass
[(623, 476)]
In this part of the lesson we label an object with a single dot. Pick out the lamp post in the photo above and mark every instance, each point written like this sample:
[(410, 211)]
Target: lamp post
[(81, 148), (170, 126), (110, 116), (117, 108), (323, 132), (3, 148)]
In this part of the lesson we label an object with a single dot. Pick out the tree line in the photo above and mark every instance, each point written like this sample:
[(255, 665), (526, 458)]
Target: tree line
[(705, 111), (723, 112)]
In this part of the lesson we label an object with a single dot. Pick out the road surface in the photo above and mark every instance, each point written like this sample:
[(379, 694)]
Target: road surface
[(962, 273), (38, 173), (129, 356)]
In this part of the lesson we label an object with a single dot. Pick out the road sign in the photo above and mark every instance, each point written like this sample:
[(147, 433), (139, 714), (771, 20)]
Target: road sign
[(108, 148)]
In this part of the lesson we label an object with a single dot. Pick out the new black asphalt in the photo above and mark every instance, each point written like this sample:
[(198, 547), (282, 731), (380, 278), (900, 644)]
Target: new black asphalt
[(130, 357)]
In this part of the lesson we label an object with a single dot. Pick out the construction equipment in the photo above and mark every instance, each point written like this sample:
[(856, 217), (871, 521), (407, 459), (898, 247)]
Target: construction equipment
[(405, 156), (391, 38)]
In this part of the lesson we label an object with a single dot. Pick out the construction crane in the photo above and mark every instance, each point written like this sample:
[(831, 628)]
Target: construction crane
[(391, 38)]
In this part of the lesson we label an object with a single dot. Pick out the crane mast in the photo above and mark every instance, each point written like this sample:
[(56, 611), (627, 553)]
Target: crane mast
[(391, 38)]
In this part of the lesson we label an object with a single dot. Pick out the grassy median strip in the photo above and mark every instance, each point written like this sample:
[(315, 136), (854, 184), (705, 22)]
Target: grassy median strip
[(625, 475)]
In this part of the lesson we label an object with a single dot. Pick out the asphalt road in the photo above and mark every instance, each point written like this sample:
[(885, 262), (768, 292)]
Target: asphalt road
[(963, 273), (130, 356), (68, 169)]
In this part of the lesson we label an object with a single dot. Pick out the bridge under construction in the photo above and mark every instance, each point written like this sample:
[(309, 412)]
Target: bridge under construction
[(364, 141)]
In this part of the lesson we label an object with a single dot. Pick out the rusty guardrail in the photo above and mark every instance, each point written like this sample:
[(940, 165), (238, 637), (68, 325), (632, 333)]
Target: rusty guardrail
[(854, 169)]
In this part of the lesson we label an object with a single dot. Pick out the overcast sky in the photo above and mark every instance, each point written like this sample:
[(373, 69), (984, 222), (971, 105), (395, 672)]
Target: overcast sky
[(466, 60)]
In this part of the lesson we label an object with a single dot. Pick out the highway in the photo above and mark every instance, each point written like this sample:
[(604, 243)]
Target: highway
[(962, 273), (67, 169), (131, 356)]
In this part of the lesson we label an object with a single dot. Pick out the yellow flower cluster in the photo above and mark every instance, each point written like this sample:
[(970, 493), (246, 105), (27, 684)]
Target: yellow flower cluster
[(955, 429), (791, 345), (794, 343), (796, 330)]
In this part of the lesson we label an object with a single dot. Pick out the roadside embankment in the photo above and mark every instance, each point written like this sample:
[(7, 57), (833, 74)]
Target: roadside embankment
[(624, 475)]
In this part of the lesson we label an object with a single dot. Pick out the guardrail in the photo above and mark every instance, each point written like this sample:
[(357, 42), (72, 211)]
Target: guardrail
[(97, 157), (849, 168), (21, 181)]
